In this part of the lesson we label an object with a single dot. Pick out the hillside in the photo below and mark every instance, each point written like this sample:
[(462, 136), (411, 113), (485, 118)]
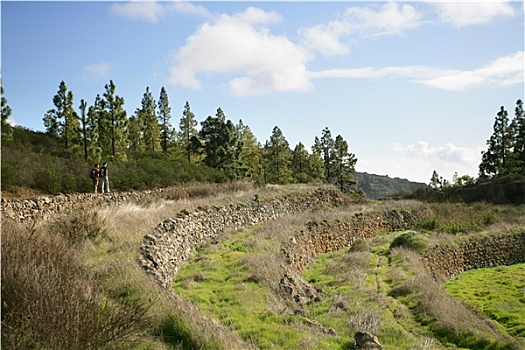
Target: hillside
[(380, 186), (281, 267), (34, 162)]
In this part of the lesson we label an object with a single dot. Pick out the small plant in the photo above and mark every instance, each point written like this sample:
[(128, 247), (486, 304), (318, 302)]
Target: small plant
[(489, 219), (410, 240), (80, 226), (430, 224), (456, 228), (360, 245)]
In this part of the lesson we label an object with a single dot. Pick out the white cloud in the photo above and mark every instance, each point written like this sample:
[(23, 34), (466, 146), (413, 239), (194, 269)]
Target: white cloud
[(422, 159), (97, 71), (146, 10), (473, 12), (242, 44), (501, 72), (390, 19), (154, 11)]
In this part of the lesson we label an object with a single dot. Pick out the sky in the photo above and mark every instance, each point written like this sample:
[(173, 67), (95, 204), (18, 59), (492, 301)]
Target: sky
[(412, 87)]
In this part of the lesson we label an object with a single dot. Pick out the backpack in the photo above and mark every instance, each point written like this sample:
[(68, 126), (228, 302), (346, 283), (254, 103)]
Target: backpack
[(93, 173)]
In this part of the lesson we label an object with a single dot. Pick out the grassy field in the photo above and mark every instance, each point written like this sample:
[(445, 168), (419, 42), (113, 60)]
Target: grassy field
[(75, 283), (498, 293)]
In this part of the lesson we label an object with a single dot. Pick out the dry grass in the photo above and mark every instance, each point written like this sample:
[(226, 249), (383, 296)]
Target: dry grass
[(448, 318), (49, 301), (76, 283)]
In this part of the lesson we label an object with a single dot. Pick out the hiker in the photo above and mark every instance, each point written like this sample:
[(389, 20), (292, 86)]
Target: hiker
[(104, 177), (94, 174)]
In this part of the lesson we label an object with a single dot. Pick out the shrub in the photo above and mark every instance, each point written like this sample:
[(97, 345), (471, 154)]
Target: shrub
[(50, 302), (360, 245), (409, 240), (429, 224), (79, 227)]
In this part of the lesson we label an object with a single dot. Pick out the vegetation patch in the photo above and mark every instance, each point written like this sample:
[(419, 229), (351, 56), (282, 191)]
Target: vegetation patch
[(497, 292), (220, 283)]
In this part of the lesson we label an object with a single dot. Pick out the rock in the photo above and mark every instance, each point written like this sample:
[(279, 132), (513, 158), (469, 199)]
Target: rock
[(366, 341)]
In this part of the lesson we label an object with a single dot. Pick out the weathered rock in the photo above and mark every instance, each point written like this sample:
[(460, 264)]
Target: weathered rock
[(366, 341)]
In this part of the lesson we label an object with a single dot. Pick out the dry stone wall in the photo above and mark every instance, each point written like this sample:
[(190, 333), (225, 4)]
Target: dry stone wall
[(43, 207), (172, 241), (445, 261), (324, 237)]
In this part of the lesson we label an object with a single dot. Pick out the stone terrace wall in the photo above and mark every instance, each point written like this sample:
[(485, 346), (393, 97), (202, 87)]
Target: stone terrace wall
[(324, 237), (172, 241), (42, 207), (445, 261)]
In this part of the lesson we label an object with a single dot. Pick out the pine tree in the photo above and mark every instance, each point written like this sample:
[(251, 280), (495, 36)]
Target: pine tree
[(494, 160), (315, 168), (325, 148), (188, 131), (7, 131), (518, 129), (149, 122), (220, 143), (278, 158), (63, 121), (299, 164), (135, 143), (343, 164), (249, 156), (95, 122), (115, 119), (435, 182), (164, 119), (83, 106)]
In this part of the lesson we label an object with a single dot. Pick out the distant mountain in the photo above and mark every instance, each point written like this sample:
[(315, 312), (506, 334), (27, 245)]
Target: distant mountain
[(382, 186)]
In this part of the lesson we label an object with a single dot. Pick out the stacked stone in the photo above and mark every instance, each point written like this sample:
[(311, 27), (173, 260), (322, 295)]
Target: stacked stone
[(172, 241), (495, 250)]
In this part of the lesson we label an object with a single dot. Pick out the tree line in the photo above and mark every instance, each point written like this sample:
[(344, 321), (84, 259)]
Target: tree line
[(103, 130), (504, 156)]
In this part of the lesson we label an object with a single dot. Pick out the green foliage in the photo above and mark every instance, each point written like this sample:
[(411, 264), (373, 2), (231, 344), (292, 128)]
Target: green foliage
[(147, 119), (409, 240), (36, 160), (455, 228), (7, 132), (164, 119), (505, 154), (187, 132), (360, 245), (430, 224), (277, 159), (63, 121)]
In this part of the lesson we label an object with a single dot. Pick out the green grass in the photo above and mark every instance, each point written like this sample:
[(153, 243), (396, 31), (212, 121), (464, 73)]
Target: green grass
[(219, 283), (498, 293)]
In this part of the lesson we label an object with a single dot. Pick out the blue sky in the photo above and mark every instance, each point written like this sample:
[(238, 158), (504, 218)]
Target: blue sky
[(412, 87)]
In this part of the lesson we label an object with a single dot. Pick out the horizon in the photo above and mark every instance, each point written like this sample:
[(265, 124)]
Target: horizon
[(412, 87)]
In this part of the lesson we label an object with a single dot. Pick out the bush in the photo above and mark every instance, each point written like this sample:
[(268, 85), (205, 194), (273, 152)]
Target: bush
[(50, 302), (79, 227), (429, 224), (409, 240), (360, 245)]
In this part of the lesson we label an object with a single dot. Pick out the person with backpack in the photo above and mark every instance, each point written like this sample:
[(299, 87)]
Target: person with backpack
[(94, 174), (104, 177)]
